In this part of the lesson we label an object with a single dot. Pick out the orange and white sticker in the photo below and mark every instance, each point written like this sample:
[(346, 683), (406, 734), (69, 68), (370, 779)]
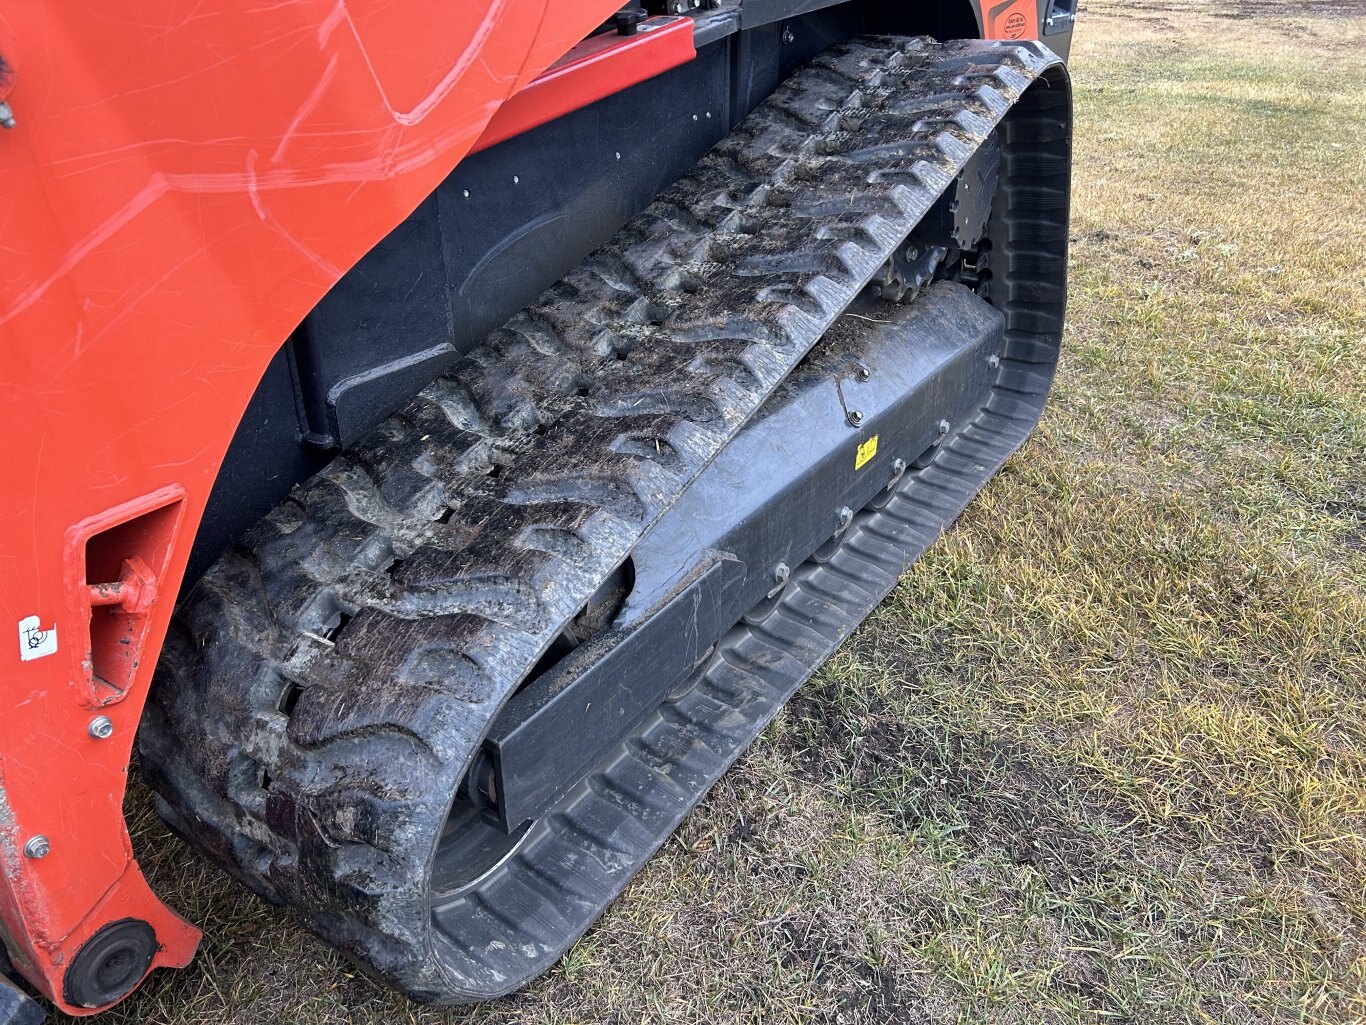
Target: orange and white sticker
[(34, 641), (1011, 19)]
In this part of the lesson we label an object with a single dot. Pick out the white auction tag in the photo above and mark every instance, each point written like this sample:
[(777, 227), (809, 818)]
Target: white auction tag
[(34, 641)]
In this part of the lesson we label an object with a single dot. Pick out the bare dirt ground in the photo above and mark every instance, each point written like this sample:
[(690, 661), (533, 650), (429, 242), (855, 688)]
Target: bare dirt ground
[(1102, 756)]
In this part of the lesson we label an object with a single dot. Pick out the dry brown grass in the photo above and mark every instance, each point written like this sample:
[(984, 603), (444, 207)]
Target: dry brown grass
[(1102, 757)]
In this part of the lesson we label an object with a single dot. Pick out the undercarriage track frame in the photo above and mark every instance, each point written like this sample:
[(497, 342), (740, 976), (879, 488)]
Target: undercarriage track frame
[(325, 686)]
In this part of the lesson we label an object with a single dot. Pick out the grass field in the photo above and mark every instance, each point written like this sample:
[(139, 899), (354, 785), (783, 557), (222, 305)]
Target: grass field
[(1102, 756)]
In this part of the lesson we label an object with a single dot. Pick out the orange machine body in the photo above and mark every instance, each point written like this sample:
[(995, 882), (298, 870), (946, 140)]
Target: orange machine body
[(182, 182)]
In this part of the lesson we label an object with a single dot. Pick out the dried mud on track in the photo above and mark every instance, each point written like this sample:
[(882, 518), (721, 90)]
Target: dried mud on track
[(1101, 756)]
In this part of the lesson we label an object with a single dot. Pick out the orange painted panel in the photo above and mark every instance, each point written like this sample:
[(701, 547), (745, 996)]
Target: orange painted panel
[(183, 182)]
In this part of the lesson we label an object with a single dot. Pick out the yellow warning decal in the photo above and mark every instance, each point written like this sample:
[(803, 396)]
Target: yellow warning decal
[(866, 451)]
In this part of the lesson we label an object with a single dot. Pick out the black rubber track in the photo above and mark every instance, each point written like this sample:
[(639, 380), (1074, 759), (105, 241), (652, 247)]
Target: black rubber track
[(577, 859), (326, 683)]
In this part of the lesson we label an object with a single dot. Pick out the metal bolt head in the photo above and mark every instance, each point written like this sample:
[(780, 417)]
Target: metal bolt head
[(101, 727), (846, 516), (780, 575), (898, 471), (788, 37), (855, 417), (994, 362), (943, 427), (6, 116), (37, 847), (863, 373)]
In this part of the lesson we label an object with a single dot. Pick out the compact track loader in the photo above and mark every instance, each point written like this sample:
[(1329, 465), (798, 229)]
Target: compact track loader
[(445, 434)]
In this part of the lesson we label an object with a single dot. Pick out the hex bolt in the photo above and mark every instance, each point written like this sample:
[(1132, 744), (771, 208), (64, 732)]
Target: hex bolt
[(780, 575), (994, 362), (6, 116), (943, 427), (101, 727), (898, 471), (855, 417), (788, 37), (863, 373), (37, 847), (846, 516)]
